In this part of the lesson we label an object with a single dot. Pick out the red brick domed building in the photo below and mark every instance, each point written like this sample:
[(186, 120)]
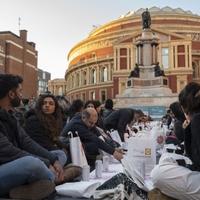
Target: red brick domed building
[(100, 64)]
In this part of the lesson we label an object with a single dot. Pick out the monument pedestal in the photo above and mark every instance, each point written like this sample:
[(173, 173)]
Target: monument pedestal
[(147, 87)]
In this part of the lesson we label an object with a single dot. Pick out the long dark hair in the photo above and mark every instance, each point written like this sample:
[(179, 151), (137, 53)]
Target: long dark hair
[(189, 98), (52, 122), (176, 109)]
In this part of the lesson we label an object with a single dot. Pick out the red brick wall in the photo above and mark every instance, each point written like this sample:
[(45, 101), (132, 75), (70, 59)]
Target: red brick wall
[(109, 93), (115, 86), (123, 63), (14, 50), (173, 83), (16, 60), (181, 60), (30, 82), (14, 67), (181, 49), (123, 52), (189, 77), (196, 45)]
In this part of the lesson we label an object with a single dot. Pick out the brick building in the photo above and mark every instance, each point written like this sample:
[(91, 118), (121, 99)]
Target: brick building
[(18, 56), (100, 64)]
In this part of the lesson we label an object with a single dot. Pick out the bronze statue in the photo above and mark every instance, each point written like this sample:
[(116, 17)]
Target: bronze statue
[(146, 19), (135, 72), (158, 71)]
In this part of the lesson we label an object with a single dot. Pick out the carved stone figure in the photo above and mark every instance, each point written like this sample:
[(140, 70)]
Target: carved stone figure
[(158, 71), (135, 72), (146, 19)]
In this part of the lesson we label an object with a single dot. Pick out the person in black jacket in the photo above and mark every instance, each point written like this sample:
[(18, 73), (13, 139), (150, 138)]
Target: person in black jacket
[(119, 119), (189, 99), (84, 124), (44, 125), (22, 161)]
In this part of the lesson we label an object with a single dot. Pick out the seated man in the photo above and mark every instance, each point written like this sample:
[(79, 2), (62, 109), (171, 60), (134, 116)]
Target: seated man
[(23, 172), (84, 124)]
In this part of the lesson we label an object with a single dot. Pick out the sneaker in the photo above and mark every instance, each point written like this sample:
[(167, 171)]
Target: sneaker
[(71, 172), (33, 191)]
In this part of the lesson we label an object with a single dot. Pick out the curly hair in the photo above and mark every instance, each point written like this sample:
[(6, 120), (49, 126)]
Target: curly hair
[(52, 122)]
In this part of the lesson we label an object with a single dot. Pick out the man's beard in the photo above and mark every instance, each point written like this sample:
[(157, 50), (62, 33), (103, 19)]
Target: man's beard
[(15, 102)]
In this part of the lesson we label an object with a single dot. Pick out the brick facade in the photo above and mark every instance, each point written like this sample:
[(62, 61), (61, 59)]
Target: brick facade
[(18, 56)]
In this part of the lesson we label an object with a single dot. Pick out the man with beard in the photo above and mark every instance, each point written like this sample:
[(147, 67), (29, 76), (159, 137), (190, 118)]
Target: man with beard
[(27, 171)]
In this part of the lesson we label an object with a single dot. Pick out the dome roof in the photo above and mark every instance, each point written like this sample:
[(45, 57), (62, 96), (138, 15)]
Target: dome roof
[(164, 10)]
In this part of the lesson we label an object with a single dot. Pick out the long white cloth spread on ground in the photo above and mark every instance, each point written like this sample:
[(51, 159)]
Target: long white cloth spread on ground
[(87, 188)]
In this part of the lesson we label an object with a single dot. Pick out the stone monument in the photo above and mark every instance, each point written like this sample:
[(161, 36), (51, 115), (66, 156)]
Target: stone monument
[(146, 84)]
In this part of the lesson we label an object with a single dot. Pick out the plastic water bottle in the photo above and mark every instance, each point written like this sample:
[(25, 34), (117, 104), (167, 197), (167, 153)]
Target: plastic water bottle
[(98, 168)]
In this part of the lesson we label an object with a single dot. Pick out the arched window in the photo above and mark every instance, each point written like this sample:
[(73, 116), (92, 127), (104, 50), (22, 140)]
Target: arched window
[(77, 79), (84, 78), (104, 74), (93, 76), (72, 81)]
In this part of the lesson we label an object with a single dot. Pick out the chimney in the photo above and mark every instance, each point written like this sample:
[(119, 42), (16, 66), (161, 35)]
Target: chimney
[(23, 35)]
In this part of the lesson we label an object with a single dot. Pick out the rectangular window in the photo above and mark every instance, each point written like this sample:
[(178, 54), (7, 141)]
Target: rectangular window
[(181, 55), (165, 58)]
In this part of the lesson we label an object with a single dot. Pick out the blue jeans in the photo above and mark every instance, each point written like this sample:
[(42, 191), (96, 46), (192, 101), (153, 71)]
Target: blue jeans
[(22, 171), (61, 156)]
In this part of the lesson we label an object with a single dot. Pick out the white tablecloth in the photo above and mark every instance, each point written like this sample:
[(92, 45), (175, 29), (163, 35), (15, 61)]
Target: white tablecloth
[(87, 188)]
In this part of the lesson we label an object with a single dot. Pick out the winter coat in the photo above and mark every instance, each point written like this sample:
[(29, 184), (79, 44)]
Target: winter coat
[(87, 136), (37, 131), (118, 120), (15, 143)]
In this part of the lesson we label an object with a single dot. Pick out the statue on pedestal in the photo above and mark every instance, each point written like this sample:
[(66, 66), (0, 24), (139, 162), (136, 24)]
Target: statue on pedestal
[(158, 71), (146, 19), (135, 72)]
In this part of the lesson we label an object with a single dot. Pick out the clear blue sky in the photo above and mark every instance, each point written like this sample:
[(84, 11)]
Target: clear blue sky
[(57, 25)]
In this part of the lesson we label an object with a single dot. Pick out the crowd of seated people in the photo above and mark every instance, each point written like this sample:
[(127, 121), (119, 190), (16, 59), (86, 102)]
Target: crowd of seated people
[(34, 140), (32, 148)]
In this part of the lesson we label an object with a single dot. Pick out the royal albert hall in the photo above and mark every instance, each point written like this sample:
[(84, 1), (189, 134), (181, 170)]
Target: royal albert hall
[(100, 64)]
